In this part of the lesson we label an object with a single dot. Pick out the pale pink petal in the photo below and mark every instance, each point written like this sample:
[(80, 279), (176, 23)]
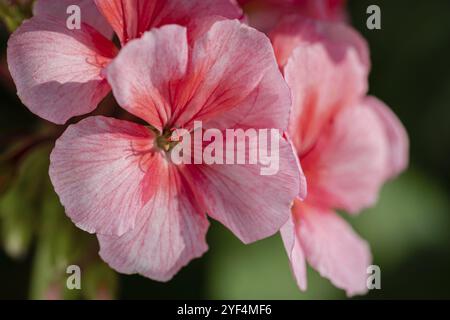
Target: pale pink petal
[(333, 248), (232, 68), (346, 167), (303, 189), (98, 168), (337, 38), (169, 232), (146, 73), (130, 19), (267, 106), (295, 253), (231, 79), (396, 136), (325, 74), (251, 205), (89, 13), (320, 89), (58, 71)]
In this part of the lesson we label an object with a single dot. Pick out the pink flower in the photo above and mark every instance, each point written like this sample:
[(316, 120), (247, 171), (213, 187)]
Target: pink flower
[(265, 14), (59, 72), (348, 144), (115, 177)]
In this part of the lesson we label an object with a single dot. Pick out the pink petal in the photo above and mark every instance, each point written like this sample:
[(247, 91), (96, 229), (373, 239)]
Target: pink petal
[(332, 248), (89, 13), (346, 167), (232, 69), (325, 73), (303, 189), (132, 18), (320, 88), (295, 253), (169, 232), (396, 136), (147, 72), (112, 181), (229, 77), (338, 38), (58, 71), (268, 105), (129, 19), (97, 168), (251, 205)]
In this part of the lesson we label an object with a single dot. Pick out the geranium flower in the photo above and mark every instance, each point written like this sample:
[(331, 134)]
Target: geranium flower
[(59, 72), (115, 178), (348, 144)]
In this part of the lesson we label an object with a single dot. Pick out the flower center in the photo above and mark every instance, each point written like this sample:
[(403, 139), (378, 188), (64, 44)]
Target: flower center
[(163, 140)]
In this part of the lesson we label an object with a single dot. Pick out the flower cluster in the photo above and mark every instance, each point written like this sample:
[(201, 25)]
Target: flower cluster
[(293, 66)]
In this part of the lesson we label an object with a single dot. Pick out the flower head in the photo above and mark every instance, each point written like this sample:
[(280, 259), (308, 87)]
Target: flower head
[(115, 179), (349, 145)]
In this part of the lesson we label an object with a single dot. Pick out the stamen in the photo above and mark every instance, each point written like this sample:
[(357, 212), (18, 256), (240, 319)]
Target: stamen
[(164, 141)]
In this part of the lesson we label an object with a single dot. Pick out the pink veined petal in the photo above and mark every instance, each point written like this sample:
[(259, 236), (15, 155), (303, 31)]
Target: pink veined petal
[(57, 71), (230, 67), (214, 81), (320, 89), (170, 231), (199, 26), (295, 253), (146, 73), (346, 167), (332, 247), (251, 205), (89, 13), (98, 168), (396, 136), (112, 181), (325, 71), (130, 19), (267, 106)]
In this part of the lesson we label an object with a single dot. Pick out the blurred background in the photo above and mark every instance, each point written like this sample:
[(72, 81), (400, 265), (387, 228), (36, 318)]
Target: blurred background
[(408, 229)]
